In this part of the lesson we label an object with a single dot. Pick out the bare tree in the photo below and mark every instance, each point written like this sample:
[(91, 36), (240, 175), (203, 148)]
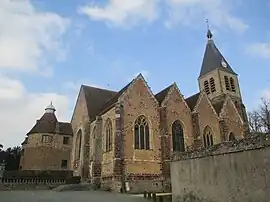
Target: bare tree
[(264, 113), (254, 121)]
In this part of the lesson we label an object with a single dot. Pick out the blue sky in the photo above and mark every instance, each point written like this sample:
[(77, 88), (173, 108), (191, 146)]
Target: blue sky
[(56, 46)]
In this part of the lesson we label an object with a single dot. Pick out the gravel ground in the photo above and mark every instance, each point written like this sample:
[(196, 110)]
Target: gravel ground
[(76, 196)]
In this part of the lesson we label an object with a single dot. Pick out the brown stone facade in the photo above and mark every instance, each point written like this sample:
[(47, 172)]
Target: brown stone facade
[(127, 168), (146, 130), (51, 155)]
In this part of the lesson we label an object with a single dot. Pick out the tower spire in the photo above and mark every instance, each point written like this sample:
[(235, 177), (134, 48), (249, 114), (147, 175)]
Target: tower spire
[(209, 33)]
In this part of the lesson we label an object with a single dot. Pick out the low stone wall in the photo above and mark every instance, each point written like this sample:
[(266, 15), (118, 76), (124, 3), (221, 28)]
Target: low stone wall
[(29, 184), (231, 171)]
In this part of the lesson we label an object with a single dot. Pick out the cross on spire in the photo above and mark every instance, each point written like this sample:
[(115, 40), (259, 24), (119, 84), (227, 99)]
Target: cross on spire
[(209, 33)]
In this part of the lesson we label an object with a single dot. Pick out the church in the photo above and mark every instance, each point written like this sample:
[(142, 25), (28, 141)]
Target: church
[(125, 140)]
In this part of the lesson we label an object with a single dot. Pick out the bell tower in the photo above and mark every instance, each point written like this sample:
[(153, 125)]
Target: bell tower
[(217, 78)]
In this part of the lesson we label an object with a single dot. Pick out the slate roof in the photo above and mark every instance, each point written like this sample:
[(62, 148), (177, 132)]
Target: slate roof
[(95, 99), (162, 94), (192, 101), (109, 103), (212, 59), (48, 124)]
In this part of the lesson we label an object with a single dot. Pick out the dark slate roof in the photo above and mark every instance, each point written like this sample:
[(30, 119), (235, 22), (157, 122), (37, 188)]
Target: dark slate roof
[(162, 94), (48, 124), (212, 60), (110, 102), (192, 101), (96, 98), (218, 106)]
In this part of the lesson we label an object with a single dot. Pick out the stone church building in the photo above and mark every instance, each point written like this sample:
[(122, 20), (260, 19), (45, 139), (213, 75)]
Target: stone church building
[(125, 140)]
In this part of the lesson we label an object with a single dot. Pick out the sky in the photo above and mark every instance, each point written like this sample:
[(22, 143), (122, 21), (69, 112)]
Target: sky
[(49, 48)]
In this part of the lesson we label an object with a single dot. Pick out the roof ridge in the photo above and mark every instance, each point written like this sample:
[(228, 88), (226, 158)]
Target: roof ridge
[(83, 85), (112, 100)]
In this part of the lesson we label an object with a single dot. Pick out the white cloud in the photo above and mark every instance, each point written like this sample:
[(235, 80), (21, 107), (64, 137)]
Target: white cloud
[(192, 12), (259, 49), (21, 108), (27, 35), (123, 13), (266, 94), (29, 40)]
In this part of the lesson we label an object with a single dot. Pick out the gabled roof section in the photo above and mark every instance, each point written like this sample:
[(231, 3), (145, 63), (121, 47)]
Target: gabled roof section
[(192, 101), (202, 94), (95, 99), (111, 101), (213, 59), (222, 111), (162, 94)]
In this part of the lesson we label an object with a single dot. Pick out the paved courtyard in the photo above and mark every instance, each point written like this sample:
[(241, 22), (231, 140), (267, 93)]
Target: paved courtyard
[(72, 196)]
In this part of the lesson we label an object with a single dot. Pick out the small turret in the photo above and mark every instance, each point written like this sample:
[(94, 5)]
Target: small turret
[(50, 108)]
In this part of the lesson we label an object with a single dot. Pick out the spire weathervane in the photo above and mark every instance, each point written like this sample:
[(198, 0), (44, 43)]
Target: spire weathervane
[(209, 33)]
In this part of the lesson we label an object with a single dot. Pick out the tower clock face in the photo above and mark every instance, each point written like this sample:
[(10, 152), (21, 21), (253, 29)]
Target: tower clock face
[(223, 63)]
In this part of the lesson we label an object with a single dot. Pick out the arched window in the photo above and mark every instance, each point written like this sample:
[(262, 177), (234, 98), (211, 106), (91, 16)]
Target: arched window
[(108, 133), (227, 83), (78, 144), (212, 85), (178, 136), (231, 137), (208, 137), (232, 84), (141, 133), (206, 87)]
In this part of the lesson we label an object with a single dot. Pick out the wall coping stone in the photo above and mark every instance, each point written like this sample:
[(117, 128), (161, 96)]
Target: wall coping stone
[(250, 142)]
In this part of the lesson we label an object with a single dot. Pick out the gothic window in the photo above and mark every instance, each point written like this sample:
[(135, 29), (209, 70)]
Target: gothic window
[(227, 83), (206, 87), (178, 136), (108, 132), (231, 137), (212, 85), (141, 133), (232, 84), (208, 137), (65, 140), (78, 144)]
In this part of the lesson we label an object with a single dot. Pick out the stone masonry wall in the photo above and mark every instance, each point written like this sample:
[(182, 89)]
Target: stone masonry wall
[(141, 165), (231, 171), (45, 156)]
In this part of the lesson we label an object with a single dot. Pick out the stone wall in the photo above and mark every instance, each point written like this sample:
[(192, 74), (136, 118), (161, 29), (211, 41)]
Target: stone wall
[(46, 156), (231, 171)]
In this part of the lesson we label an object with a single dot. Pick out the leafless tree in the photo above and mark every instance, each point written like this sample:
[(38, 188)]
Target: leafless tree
[(259, 119), (254, 121), (264, 113)]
